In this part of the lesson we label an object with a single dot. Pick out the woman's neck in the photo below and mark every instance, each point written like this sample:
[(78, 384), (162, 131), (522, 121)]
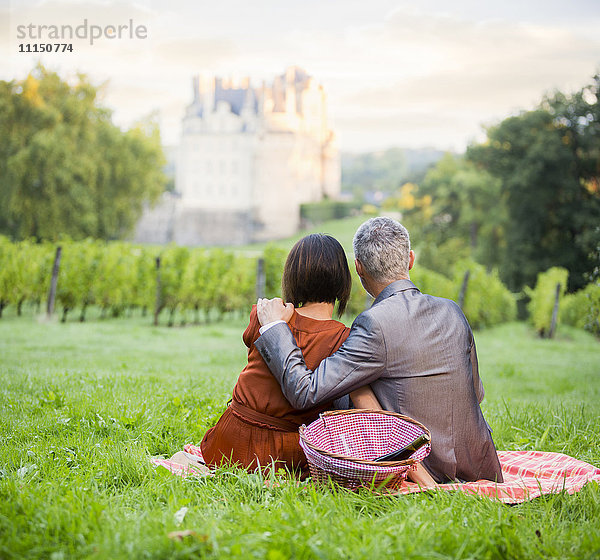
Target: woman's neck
[(316, 310)]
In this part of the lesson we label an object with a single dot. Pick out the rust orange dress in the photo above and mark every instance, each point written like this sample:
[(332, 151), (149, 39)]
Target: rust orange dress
[(260, 424)]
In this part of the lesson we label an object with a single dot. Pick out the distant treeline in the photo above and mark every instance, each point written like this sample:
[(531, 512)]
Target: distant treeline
[(385, 171)]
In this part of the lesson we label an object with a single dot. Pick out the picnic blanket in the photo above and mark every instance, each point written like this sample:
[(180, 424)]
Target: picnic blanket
[(183, 464), (527, 475)]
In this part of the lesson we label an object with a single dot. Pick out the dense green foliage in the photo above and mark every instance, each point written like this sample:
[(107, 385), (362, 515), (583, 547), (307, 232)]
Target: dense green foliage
[(118, 277), (487, 300), (199, 283), (548, 162), (274, 260), (434, 283), (319, 212), (65, 168), (582, 309), (523, 201), (463, 217), (385, 171), (543, 297), (82, 407), (25, 271)]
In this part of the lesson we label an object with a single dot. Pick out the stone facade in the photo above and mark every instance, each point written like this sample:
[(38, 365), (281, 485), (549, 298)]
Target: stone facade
[(249, 156)]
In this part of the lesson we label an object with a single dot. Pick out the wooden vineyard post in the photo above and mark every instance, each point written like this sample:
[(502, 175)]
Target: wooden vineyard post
[(554, 312), (54, 282), (157, 303), (261, 280), (463, 290)]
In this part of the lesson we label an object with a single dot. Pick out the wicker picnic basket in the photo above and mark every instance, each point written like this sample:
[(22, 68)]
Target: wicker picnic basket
[(342, 444)]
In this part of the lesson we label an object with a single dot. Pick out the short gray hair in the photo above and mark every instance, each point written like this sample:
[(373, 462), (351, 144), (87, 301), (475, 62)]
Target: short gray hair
[(382, 245)]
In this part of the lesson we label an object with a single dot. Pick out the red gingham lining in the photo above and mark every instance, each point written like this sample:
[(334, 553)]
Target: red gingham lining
[(362, 435)]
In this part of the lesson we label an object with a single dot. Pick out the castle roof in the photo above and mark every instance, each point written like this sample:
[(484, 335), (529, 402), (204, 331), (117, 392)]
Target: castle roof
[(235, 97)]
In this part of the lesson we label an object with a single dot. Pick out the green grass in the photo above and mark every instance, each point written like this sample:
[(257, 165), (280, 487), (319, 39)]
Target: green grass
[(82, 406), (343, 230)]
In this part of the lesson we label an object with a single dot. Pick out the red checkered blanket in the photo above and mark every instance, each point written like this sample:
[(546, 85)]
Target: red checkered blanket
[(527, 475), (180, 469)]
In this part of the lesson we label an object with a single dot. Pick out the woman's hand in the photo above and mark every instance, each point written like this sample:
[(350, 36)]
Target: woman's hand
[(269, 310)]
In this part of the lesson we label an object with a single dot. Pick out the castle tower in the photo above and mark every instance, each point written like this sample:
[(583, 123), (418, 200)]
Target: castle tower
[(249, 156)]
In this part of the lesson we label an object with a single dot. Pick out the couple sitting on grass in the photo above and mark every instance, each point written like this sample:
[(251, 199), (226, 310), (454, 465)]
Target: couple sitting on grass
[(410, 353)]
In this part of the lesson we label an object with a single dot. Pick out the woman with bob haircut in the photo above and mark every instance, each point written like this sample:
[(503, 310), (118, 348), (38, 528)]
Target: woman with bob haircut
[(260, 425)]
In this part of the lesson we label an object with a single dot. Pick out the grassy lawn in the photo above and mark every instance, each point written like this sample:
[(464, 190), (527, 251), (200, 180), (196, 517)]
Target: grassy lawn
[(342, 229), (82, 406)]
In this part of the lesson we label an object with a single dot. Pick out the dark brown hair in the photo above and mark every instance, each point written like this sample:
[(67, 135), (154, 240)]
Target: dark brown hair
[(316, 270)]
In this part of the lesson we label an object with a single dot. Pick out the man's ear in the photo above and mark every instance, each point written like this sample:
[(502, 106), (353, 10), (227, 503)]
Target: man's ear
[(359, 267), (411, 259)]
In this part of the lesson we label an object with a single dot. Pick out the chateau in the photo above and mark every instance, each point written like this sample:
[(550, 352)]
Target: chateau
[(249, 156)]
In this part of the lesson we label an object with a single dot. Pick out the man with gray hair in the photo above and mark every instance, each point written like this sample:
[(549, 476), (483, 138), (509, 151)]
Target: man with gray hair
[(416, 351)]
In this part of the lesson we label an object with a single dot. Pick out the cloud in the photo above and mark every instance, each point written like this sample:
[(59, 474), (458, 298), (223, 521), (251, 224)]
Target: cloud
[(459, 74), (389, 78), (481, 63), (407, 128), (65, 12), (195, 52), (4, 25)]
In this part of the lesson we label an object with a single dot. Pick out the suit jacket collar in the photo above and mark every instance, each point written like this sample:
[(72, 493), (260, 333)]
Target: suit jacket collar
[(394, 288)]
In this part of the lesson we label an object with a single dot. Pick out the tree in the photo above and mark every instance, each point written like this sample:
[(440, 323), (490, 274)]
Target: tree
[(274, 263), (239, 284), (115, 279), (194, 282), (8, 272), (385, 171), (144, 273), (173, 264), (548, 163), (451, 211), (40, 261), (549, 285), (65, 168)]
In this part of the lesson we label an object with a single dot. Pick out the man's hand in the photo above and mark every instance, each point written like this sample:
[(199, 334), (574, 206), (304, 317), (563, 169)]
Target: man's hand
[(269, 310), (421, 476)]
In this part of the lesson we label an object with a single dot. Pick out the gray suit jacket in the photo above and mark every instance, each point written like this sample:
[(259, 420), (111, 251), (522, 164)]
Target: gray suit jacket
[(418, 354)]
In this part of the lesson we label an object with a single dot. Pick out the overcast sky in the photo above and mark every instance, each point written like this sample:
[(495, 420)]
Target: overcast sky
[(397, 73)]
